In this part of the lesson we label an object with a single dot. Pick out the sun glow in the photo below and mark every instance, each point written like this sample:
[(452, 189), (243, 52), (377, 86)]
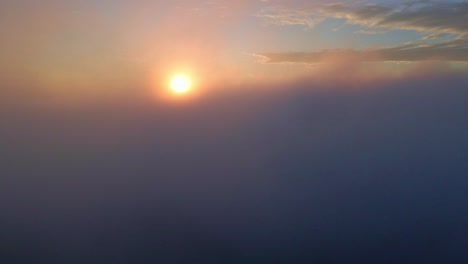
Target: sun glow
[(180, 84)]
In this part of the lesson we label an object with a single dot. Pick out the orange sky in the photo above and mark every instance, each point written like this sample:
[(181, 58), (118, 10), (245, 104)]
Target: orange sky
[(67, 48)]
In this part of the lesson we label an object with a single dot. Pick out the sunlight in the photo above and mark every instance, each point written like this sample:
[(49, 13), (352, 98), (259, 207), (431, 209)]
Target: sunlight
[(180, 84)]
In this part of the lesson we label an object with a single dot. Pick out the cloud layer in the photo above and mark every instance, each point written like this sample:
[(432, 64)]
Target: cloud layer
[(436, 19), (425, 16), (454, 50), (319, 170)]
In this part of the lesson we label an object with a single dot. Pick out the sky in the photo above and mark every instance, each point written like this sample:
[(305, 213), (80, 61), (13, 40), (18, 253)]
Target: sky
[(312, 132), (106, 43)]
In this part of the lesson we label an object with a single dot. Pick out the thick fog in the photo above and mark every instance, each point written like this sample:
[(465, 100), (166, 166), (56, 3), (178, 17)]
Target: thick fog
[(369, 171)]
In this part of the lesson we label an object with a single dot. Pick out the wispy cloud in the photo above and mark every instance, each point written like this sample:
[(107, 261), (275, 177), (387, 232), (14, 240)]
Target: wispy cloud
[(436, 36), (436, 19), (453, 50), (277, 15), (423, 16)]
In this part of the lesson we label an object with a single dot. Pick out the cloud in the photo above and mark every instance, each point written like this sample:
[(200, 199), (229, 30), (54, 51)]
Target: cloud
[(436, 36), (284, 16), (429, 17), (437, 19), (423, 16), (300, 171), (328, 169), (452, 50)]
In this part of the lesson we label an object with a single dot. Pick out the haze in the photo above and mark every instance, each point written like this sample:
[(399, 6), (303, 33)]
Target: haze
[(311, 131)]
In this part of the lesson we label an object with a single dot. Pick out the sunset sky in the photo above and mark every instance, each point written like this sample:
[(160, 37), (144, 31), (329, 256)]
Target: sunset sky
[(248, 131), (66, 44)]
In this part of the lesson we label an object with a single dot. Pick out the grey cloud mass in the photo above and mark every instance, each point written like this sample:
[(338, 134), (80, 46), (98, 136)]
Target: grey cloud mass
[(314, 173)]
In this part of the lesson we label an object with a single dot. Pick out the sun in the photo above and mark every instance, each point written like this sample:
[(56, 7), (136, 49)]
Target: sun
[(180, 84)]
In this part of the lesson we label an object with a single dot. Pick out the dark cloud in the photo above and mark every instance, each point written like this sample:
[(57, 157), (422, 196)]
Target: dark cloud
[(332, 172)]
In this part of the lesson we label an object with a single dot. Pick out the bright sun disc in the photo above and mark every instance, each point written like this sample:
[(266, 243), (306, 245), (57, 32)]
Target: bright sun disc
[(180, 84)]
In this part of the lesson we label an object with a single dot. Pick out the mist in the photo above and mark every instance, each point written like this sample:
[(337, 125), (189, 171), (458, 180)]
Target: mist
[(318, 169)]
